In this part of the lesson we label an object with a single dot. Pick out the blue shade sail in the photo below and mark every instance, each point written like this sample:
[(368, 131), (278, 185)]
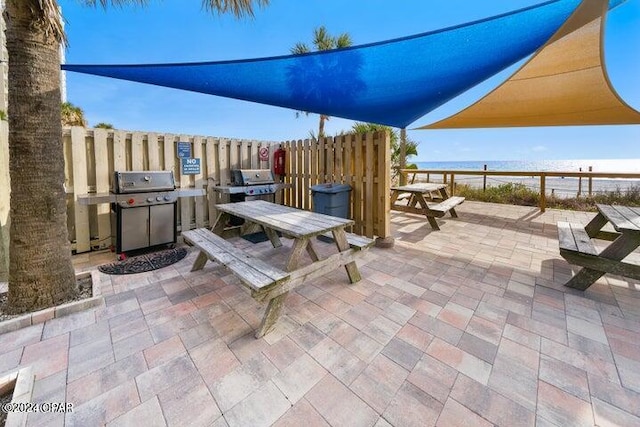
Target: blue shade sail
[(393, 82)]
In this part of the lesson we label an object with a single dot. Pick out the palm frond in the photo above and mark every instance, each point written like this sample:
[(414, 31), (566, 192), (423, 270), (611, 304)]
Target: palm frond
[(72, 115), (105, 3), (300, 48), (239, 8), (344, 40), (322, 40)]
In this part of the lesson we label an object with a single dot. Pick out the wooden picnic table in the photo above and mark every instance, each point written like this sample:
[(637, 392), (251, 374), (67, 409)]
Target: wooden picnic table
[(418, 203), (577, 247), (267, 282)]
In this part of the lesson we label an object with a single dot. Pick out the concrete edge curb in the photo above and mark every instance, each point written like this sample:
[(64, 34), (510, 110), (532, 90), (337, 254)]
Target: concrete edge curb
[(57, 311), (21, 383)]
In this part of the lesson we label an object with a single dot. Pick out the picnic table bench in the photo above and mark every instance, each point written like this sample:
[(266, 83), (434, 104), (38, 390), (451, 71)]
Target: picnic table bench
[(266, 282), (418, 204), (577, 247)]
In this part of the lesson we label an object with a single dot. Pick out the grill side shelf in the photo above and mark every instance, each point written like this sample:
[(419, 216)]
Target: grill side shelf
[(96, 199)]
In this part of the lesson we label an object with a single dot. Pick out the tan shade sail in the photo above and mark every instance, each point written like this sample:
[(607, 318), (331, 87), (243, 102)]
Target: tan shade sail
[(564, 84)]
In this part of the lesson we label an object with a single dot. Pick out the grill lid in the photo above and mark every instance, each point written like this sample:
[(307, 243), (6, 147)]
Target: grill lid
[(142, 181), (251, 176)]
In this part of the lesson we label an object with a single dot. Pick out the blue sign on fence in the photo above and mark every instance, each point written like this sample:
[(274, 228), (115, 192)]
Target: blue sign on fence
[(190, 166), (184, 150)]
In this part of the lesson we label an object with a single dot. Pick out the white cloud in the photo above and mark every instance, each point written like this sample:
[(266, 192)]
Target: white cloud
[(539, 148)]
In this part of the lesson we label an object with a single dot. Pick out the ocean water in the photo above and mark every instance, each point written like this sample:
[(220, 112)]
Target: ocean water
[(561, 187)]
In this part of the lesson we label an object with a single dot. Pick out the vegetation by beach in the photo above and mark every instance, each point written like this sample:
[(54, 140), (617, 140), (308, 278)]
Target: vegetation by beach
[(520, 194)]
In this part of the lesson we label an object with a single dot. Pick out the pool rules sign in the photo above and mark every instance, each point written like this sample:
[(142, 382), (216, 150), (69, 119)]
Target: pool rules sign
[(188, 166)]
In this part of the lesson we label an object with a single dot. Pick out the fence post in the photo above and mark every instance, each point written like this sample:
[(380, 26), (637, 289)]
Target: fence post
[(385, 237), (484, 180), (543, 193), (452, 184), (580, 183), (590, 181)]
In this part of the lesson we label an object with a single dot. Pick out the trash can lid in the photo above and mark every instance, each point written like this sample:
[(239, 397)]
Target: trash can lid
[(330, 187)]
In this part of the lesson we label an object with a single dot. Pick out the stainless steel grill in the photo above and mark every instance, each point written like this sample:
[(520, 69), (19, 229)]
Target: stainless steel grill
[(143, 181), (250, 184), (144, 211), (247, 177)]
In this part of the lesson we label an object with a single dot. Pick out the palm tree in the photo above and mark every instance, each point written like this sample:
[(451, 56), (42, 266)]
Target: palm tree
[(322, 41), (411, 146), (40, 270), (72, 115)]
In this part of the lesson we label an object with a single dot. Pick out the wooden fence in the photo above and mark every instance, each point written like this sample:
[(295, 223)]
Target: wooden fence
[(448, 177), (361, 161), (92, 155)]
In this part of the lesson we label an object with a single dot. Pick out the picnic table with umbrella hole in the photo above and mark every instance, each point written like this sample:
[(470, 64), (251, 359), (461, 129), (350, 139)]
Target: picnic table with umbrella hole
[(269, 283)]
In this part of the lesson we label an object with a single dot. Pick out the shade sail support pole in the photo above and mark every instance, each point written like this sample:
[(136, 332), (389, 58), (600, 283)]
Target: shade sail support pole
[(403, 155)]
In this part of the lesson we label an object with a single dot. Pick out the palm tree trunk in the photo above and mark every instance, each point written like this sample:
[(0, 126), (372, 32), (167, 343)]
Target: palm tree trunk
[(403, 154), (323, 119), (40, 270)]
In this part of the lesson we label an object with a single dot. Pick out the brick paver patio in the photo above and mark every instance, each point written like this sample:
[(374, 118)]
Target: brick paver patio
[(468, 326)]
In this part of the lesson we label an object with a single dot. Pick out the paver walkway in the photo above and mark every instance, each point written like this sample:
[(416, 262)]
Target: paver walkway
[(470, 325)]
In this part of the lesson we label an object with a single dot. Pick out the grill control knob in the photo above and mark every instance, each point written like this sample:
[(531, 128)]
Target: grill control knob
[(149, 199), (159, 198), (131, 201), (167, 198)]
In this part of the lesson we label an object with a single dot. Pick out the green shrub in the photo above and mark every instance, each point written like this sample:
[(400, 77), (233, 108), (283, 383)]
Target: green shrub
[(103, 125), (628, 197), (509, 193)]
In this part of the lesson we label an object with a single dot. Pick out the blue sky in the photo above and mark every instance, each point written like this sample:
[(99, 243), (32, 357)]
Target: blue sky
[(180, 31)]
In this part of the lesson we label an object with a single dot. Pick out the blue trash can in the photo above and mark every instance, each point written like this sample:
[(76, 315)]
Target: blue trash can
[(331, 199)]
